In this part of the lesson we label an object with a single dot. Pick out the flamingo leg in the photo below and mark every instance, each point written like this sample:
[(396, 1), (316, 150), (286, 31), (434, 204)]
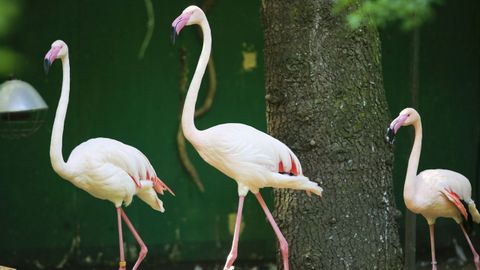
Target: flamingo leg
[(122, 264), (432, 245), (281, 239), (476, 258), (143, 247), (233, 252)]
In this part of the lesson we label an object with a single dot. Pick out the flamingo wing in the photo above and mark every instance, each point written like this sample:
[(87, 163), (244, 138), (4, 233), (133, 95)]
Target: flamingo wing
[(454, 186), (246, 148), (98, 152), (253, 158), (455, 199)]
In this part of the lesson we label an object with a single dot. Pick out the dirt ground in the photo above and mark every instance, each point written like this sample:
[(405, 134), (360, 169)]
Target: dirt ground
[(451, 264)]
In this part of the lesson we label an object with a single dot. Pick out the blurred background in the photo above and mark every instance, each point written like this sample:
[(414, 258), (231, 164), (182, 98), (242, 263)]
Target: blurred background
[(129, 90)]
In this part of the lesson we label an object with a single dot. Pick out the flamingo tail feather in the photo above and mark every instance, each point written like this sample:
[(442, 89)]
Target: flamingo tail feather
[(473, 211)]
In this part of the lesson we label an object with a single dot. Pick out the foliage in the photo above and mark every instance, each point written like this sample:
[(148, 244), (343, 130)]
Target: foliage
[(409, 13), (9, 12), (10, 60)]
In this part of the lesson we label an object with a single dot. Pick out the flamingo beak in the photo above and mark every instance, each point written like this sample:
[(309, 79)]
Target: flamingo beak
[(179, 23), (50, 57), (390, 136), (394, 127), (174, 35)]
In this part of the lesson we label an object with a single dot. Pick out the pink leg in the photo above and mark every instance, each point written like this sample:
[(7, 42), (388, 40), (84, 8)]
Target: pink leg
[(233, 252), (281, 238), (476, 258), (143, 247), (432, 244), (122, 263)]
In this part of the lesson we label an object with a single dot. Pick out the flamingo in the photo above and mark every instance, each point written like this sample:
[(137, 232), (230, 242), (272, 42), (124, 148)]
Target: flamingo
[(252, 158), (434, 193), (107, 169)]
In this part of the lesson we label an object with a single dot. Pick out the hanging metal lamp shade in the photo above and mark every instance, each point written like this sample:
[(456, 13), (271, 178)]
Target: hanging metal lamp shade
[(22, 109)]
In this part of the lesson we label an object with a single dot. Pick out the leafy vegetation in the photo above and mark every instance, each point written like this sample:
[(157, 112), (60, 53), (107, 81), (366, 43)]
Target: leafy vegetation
[(408, 13), (10, 11)]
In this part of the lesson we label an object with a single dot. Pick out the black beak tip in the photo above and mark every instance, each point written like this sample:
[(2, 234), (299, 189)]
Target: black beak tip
[(46, 66), (390, 136), (174, 34)]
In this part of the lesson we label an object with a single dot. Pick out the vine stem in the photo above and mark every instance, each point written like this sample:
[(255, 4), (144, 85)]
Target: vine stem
[(150, 27)]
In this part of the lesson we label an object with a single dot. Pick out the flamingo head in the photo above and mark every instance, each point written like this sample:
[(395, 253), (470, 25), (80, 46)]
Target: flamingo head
[(406, 117), (190, 15), (58, 50)]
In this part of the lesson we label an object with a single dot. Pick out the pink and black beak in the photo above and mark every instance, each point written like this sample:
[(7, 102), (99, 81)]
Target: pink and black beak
[(394, 127), (179, 23), (50, 57)]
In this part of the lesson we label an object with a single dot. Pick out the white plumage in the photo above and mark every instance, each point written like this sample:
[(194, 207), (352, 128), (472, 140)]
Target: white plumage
[(105, 168), (434, 193), (250, 157), (431, 198), (111, 170)]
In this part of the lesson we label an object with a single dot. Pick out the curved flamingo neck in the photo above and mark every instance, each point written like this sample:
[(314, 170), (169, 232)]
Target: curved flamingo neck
[(56, 156), (410, 180), (188, 125)]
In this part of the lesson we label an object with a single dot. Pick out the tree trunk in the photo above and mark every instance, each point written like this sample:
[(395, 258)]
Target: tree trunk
[(325, 99)]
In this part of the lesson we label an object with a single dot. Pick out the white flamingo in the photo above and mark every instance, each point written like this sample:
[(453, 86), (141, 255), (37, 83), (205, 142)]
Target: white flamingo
[(433, 193), (107, 169), (252, 158)]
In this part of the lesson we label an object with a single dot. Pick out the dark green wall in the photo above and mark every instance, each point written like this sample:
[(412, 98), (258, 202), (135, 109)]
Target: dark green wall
[(113, 94), (449, 104)]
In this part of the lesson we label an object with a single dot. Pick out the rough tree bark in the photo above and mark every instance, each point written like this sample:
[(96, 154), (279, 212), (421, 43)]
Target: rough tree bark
[(325, 99)]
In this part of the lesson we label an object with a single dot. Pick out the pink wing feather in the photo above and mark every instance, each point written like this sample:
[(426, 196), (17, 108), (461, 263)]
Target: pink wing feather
[(455, 199), (293, 167)]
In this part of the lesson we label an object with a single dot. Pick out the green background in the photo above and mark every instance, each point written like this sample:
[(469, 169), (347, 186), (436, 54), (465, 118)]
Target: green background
[(137, 101)]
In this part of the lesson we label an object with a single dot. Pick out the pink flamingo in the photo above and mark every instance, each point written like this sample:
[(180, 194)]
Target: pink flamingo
[(107, 169), (252, 158), (433, 193)]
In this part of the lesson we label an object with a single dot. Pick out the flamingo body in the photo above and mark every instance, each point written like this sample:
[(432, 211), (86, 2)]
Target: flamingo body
[(252, 158), (430, 199), (111, 170)]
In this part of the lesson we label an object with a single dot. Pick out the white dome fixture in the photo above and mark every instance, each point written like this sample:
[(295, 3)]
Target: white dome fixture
[(22, 109)]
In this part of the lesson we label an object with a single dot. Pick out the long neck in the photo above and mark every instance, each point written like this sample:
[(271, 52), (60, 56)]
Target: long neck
[(188, 125), (56, 155), (412, 169)]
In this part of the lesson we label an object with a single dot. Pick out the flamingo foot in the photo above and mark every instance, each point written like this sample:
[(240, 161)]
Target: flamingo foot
[(281, 239), (141, 256), (284, 252), (143, 247), (233, 252), (230, 260), (434, 265), (476, 258)]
